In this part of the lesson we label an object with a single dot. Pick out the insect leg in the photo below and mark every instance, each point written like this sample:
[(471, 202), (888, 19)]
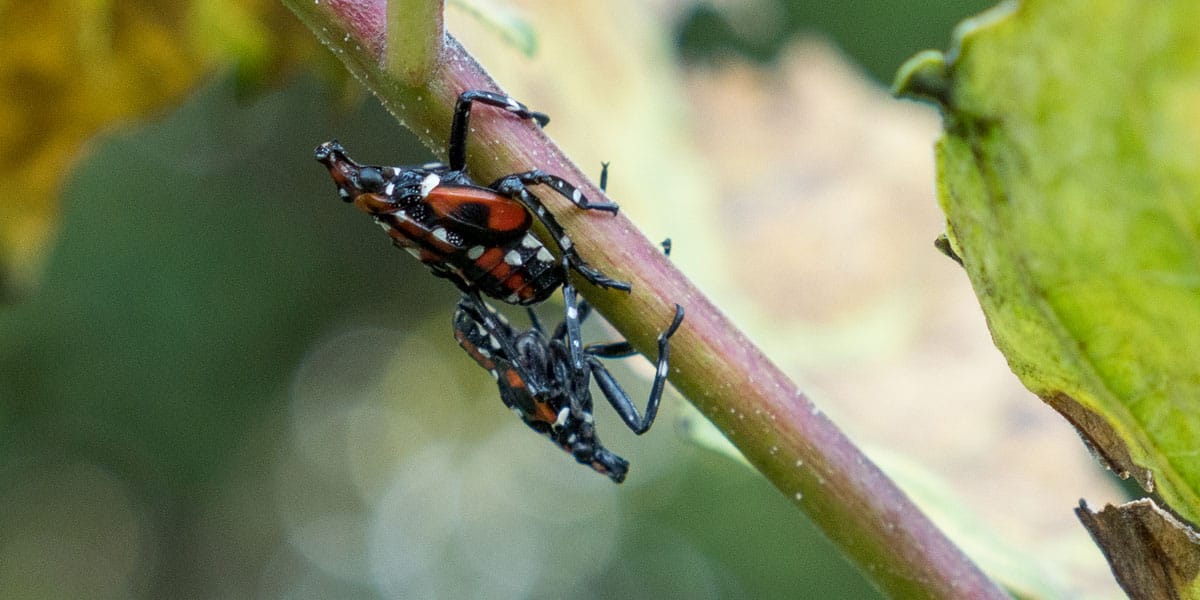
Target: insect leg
[(512, 187), (457, 149), (617, 397)]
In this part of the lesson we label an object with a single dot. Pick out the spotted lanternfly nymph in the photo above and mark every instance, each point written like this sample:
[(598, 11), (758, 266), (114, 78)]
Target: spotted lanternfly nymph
[(477, 237), (545, 379)]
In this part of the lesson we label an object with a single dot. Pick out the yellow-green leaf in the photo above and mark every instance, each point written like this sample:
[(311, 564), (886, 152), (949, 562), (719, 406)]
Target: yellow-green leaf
[(1070, 179)]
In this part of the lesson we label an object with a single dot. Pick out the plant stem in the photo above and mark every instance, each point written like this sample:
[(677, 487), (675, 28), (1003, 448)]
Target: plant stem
[(714, 365), (416, 34)]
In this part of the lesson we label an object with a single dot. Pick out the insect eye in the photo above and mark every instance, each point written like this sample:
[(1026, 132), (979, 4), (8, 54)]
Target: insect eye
[(370, 179)]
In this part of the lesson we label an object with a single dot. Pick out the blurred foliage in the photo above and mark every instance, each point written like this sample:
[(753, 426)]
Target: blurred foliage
[(1090, 283), (508, 24), (71, 69), (877, 34)]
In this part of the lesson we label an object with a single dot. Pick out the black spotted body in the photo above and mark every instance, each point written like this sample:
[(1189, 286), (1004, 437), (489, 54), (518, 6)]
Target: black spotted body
[(478, 237), (545, 380)]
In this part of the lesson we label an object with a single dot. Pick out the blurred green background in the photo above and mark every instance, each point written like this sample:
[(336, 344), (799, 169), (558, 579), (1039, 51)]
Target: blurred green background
[(230, 385)]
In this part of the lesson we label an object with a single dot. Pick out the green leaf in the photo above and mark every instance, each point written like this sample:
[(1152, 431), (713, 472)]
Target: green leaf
[(1070, 179)]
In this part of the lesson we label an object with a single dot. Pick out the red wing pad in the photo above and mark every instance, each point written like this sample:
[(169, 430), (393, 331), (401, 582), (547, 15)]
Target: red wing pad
[(478, 213)]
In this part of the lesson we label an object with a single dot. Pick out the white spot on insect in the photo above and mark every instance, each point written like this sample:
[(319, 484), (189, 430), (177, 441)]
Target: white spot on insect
[(562, 416), (496, 376), (559, 184), (588, 418), (391, 187), (530, 242), (513, 258), (565, 242), (572, 313), (343, 192), (544, 255), (431, 181), (575, 343), (441, 234), (662, 370), (385, 226), (571, 438), (513, 105), (413, 251), (475, 252), (576, 196), (432, 165), (512, 299), (503, 319), (520, 413), (479, 330), (484, 352), (495, 343)]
